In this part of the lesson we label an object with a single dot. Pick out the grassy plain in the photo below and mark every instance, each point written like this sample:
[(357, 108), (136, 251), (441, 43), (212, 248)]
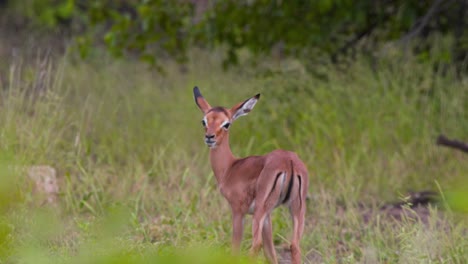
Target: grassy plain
[(134, 175)]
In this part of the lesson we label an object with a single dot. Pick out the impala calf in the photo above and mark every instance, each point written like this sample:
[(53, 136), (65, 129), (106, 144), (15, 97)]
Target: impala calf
[(255, 184)]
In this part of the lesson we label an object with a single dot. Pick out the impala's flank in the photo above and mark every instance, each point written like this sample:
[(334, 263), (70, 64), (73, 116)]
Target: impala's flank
[(256, 184)]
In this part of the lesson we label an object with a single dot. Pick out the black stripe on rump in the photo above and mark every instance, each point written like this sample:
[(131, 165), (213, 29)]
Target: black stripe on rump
[(274, 184), (300, 188)]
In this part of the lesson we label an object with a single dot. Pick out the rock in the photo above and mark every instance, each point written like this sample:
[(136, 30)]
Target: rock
[(46, 188)]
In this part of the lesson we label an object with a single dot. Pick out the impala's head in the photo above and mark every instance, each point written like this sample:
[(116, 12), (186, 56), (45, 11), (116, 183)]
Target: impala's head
[(217, 120)]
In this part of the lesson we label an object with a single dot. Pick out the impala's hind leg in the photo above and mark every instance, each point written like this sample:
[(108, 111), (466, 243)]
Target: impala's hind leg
[(268, 246), (265, 202), (297, 209)]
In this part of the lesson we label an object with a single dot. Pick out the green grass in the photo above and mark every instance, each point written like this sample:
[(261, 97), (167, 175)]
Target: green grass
[(134, 174)]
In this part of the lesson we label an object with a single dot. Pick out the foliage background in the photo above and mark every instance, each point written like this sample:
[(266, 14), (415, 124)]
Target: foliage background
[(312, 31)]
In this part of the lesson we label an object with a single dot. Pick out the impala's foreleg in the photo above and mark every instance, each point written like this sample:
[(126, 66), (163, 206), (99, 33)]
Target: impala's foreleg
[(237, 231), (258, 221), (268, 246)]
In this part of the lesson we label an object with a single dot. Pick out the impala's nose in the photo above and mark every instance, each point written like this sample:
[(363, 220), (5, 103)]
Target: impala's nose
[(210, 140), (209, 137)]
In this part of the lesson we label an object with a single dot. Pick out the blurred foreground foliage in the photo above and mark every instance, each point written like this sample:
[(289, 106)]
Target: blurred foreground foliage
[(312, 31)]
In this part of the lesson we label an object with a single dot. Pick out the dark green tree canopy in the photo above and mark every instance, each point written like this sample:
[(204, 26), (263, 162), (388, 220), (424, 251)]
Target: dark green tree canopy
[(308, 30)]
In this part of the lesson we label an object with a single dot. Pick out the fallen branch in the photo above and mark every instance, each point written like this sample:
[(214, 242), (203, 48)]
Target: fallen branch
[(456, 144)]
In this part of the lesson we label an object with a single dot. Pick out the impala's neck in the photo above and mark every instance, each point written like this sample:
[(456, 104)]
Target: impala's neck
[(221, 159)]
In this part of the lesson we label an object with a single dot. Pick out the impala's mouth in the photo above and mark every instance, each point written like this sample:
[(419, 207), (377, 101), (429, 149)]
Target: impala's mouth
[(210, 143)]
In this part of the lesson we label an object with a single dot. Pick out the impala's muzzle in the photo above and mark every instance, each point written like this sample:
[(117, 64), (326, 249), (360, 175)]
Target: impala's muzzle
[(210, 140)]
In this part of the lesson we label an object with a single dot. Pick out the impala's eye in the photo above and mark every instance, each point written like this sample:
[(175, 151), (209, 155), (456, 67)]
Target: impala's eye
[(226, 125), (203, 123)]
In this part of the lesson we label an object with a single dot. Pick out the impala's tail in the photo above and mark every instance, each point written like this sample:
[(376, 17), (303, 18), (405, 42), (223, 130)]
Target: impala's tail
[(291, 184), (285, 187)]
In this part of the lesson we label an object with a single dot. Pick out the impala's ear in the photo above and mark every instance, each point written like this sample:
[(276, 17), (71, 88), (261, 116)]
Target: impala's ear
[(200, 101), (244, 108)]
